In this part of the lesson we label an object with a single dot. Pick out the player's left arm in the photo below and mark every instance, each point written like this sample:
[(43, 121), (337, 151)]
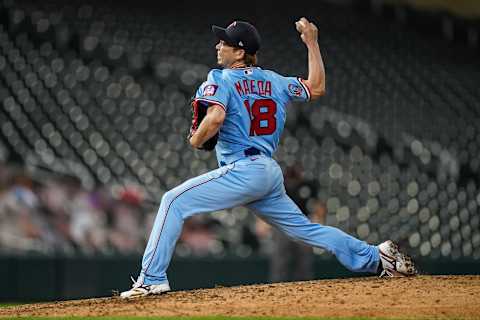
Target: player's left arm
[(209, 125), (316, 68)]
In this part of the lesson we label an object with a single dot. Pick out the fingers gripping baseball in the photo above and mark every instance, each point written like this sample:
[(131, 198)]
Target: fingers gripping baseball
[(308, 30)]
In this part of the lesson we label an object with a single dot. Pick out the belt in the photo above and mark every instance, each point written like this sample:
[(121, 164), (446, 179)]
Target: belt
[(252, 151)]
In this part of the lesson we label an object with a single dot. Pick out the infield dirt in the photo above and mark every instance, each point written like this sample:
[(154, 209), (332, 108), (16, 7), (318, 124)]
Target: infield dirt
[(418, 297)]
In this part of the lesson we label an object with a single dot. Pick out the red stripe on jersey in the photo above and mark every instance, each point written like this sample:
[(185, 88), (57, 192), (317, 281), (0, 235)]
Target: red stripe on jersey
[(212, 102), (305, 87)]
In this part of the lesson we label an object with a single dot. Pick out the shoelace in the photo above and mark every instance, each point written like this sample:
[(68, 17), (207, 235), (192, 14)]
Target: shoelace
[(134, 281), (385, 274), (137, 284)]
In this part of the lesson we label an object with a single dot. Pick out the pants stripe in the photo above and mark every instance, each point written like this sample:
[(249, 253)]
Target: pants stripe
[(166, 213)]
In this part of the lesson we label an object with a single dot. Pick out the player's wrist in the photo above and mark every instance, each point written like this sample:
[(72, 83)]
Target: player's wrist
[(312, 44), (194, 141)]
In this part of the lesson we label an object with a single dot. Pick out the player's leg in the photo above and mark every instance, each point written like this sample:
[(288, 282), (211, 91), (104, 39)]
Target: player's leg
[(279, 210), (226, 187), (207, 192)]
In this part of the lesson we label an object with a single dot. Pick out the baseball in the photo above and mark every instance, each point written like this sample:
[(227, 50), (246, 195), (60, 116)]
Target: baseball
[(300, 25)]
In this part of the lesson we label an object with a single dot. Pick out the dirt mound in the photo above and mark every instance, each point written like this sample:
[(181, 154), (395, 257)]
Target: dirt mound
[(423, 296)]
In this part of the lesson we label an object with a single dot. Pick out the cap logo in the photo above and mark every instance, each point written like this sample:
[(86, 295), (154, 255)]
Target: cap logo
[(233, 24), (240, 43)]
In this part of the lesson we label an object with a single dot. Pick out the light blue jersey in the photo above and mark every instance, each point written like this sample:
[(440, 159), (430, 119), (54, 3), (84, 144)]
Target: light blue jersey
[(255, 101)]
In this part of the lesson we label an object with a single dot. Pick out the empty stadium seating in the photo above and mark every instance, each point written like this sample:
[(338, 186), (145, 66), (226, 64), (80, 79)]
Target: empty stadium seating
[(393, 146)]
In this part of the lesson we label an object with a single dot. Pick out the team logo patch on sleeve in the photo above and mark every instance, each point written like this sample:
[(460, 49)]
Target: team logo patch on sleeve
[(296, 90), (210, 90)]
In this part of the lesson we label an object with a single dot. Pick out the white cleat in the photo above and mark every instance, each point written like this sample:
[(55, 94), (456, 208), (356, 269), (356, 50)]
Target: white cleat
[(141, 290), (395, 263)]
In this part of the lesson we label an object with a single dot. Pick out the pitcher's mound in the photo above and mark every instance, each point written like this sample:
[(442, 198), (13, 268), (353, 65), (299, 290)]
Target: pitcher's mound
[(422, 296)]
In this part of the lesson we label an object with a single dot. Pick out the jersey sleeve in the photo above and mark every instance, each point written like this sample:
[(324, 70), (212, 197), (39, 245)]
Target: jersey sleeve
[(296, 89), (213, 91)]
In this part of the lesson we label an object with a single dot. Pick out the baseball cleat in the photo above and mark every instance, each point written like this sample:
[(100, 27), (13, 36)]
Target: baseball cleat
[(395, 263), (141, 290)]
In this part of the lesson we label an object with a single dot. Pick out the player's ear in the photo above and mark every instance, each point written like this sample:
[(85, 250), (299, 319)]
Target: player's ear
[(240, 54)]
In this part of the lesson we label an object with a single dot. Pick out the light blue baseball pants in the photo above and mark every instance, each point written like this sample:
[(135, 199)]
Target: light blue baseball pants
[(256, 182)]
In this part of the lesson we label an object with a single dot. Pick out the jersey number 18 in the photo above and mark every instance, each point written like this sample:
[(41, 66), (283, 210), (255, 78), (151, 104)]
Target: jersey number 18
[(262, 116)]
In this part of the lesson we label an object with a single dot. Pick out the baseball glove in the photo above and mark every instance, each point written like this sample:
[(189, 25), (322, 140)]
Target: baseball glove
[(199, 111)]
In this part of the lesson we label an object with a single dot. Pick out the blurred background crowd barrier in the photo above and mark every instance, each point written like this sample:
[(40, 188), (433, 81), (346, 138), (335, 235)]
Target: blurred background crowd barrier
[(94, 116)]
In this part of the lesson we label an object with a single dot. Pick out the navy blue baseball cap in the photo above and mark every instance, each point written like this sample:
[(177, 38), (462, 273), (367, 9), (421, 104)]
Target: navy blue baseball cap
[(239, 34)]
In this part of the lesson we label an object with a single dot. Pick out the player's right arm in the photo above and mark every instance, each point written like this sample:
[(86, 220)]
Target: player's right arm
[(209, 125), (316, 70), (209, 111)]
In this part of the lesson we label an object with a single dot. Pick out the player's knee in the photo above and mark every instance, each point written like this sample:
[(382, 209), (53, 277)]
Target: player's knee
[(173, 202), (168, 197)]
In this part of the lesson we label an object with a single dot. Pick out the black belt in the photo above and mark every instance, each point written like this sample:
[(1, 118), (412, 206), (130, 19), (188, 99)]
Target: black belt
[(251, 152)]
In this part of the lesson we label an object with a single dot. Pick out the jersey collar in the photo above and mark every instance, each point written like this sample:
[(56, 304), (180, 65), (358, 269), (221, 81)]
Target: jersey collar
[(243, 68)]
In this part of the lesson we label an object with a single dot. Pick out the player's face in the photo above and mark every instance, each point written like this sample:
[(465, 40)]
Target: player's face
[(227, 55)]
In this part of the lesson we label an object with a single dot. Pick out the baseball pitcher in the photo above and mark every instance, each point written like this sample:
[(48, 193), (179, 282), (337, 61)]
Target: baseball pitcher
[(240, 112)]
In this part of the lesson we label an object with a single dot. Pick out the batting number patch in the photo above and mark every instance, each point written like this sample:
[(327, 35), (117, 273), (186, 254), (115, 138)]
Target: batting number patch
[(294, 89), (210, 90)]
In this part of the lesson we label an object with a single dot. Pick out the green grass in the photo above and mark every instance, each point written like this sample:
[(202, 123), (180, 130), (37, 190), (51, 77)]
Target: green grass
[(9, 304)]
